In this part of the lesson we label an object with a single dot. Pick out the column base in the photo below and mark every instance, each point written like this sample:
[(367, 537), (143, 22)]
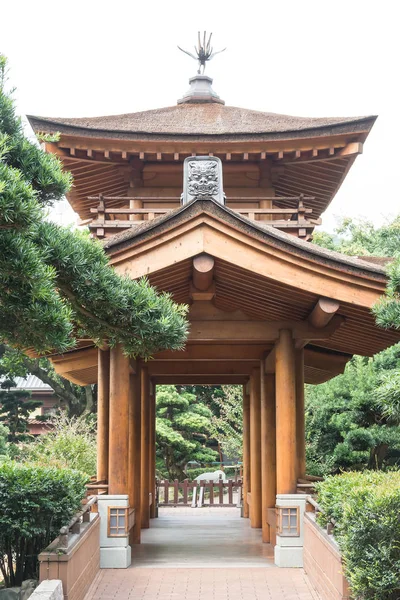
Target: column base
[(288, 556), (115, 558)]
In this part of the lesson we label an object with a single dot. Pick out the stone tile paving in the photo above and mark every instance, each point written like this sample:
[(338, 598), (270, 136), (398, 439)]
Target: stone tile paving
[(201, 554), (144, 583)]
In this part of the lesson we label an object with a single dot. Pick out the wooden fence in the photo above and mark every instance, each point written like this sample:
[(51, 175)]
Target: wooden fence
[(199, 493)]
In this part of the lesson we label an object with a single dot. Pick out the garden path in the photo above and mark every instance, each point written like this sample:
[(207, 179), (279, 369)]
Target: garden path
[(201, 554)]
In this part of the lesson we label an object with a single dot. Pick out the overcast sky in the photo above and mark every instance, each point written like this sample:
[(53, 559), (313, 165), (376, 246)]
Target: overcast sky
[(309, 58)]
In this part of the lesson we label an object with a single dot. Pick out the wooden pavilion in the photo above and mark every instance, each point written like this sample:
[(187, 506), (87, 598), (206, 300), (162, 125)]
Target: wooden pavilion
[(268, 309)]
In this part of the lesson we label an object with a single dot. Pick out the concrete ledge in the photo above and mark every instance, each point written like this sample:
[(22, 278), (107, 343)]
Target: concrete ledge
[(78, 566), (323, 562), (51, 589)]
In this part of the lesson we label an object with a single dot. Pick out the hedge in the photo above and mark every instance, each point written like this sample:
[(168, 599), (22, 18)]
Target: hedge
[(34, 503), (366, 509)]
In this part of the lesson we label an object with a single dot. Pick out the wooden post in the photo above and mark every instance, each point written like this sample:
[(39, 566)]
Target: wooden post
[(119, 422), (145, 449), (103, 414), (286, 451), (152, 470), (255, 449), (268, 450), (300, 414), (246, 450), (134, 453)]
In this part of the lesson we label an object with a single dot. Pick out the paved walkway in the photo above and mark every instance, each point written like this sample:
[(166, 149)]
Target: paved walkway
[(201, 554)]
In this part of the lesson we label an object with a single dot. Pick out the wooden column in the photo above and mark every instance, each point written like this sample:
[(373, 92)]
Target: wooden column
[(152, 470), (103, 414), (246, 449), (286, 451), (145, 449), (134, 453), (268, 451), (300, 414), (255, 449), (119, 422)]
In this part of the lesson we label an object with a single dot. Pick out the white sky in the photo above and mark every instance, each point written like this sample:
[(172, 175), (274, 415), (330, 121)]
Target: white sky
[(308, 58)]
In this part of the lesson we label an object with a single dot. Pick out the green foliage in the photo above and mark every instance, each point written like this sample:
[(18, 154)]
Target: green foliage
[(361, 238), (4, 433), (183, 428), (227, 424), (352, 421), (15, 408), (57, 284), (34, 503), (366, 508), (70, 444)]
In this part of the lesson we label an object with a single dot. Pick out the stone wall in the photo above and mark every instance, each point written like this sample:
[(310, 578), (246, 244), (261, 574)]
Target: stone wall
[(323, 562)]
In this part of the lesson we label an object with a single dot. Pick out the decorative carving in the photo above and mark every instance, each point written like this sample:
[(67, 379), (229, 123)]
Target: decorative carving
[(202, 179)]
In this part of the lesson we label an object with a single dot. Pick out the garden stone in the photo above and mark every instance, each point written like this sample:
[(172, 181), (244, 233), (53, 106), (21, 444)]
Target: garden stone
[(10, 593)]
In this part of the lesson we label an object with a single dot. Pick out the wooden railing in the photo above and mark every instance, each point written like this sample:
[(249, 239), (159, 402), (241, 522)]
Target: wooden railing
[(108, 221), (199, 493)]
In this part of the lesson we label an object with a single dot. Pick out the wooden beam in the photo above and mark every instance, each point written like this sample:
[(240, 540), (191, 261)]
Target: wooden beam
[(268, 450), (203, 271), (119, 422), (134, 454), (300, 414), (201, 379), (103, 399), (246, 451), (286, 451), (258, 331), (145, 449), (205, 367), (323, 312), (255, 449), (215, 352)]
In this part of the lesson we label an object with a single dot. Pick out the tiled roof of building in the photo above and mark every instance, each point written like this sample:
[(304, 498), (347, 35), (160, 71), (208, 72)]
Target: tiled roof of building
[(207, 119), (31, 383)]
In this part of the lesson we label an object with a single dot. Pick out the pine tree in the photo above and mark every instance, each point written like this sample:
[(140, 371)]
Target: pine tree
[(183, 428), (15, 408), (56, 284)]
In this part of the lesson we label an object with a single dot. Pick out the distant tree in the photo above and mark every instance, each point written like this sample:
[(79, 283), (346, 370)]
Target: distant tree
[(15, 408), (183, 429), (57, 284), (227, 424)]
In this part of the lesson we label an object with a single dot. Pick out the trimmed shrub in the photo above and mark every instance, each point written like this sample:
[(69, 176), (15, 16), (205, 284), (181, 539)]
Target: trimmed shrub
[(366, 508), (34, 503)]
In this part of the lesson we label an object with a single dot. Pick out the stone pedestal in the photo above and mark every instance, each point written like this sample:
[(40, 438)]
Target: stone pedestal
[(115, 552), (289, 549)]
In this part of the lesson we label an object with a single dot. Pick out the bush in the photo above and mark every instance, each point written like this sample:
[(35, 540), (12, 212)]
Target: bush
[(366, 508), (70, 444), (34, 503)]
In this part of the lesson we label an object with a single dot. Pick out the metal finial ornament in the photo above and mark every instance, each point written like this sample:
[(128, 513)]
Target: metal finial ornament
[(204, 52)]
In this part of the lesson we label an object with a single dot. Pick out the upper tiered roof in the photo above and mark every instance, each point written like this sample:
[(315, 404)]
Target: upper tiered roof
[(201, 120)]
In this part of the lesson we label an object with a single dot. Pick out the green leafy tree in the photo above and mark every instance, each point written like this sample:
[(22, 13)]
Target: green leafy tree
[(349, 422), (183, 427), (57, 284), (15, 408), (227, 424), (69, 444), (361, 238)]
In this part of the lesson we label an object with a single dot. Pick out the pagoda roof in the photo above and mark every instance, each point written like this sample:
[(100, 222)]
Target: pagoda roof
[(202, 120)]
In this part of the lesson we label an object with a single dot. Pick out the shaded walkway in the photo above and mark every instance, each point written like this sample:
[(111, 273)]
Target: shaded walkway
[(201, 554)]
